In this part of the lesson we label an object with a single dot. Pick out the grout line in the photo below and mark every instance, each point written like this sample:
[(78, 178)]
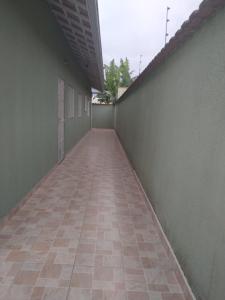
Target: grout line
[(5, 219), (73, 151), (157, 221), (164, 236), (68, 290), (69, 287), (79, 239)]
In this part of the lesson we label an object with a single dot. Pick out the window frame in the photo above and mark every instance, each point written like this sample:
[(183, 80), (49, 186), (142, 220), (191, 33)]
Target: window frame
[(79, 104), (70, 103)]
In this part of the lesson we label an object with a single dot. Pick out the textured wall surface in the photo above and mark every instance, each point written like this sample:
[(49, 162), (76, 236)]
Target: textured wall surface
[(173, 129), (103, 116), (32, 58)]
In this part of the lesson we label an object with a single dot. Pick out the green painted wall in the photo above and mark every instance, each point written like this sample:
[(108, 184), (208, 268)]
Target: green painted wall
[(32, 56), (103, 116), (173, 129)]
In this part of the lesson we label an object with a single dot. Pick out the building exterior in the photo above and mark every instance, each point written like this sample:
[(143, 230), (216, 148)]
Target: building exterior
[(50, 59), (121, 91), (103, 115), (171, 122)]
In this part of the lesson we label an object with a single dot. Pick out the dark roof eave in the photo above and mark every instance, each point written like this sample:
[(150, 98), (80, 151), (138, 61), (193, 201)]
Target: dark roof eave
[(79, 21)]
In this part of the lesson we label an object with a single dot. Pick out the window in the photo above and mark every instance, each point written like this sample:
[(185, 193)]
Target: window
[(88, 108), (86, 104), (70, 102), (80, 100)]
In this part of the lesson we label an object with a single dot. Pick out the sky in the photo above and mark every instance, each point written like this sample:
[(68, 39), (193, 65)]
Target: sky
[(130, 28)]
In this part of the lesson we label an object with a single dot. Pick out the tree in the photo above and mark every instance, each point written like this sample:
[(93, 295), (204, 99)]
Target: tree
[(125, 73), (112, 79), (104, 97), (115, 77)]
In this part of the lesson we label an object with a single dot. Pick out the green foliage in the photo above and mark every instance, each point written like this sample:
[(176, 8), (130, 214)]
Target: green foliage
[(125, 73), (104, 97), (112, 78), (115, 77)]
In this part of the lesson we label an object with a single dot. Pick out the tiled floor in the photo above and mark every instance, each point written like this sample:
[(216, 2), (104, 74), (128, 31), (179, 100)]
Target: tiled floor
[(87, 233)]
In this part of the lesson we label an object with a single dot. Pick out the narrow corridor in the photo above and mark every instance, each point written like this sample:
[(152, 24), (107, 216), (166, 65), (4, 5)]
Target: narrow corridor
[(87, 233)]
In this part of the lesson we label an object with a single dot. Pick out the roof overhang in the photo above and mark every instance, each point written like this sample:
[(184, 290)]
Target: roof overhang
[(79, 21)]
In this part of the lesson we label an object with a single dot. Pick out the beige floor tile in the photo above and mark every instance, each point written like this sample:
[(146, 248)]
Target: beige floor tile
[(87, 232)]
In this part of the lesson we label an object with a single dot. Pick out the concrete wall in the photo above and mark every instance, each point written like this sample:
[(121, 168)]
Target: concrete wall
[(102, 116), (173, 129), (32, 58)]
